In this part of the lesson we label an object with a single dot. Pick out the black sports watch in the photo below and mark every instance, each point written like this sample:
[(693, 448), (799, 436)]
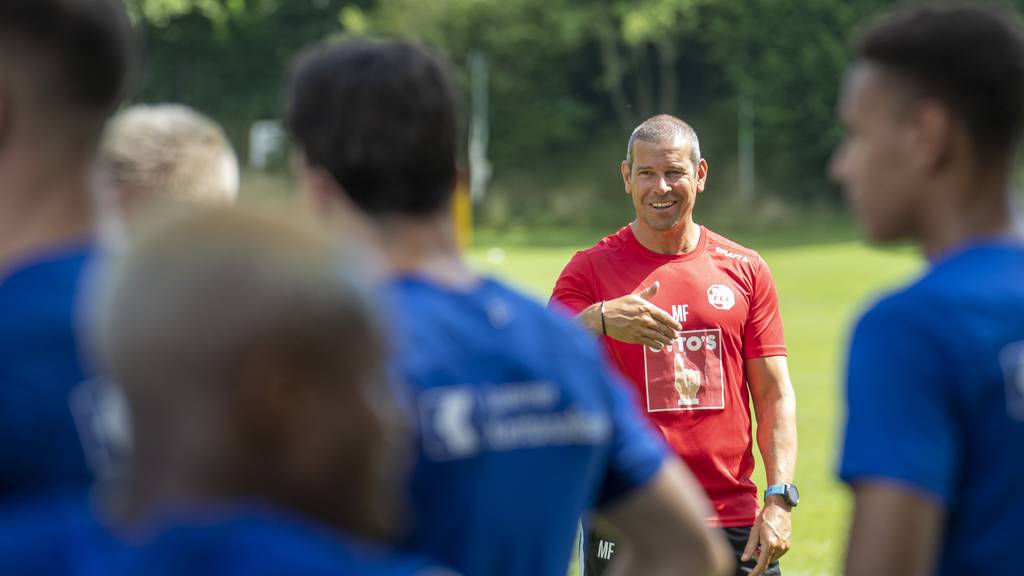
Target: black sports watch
[(788, 492)]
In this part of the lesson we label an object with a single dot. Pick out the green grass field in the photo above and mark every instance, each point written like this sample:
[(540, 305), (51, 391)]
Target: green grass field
[(824, 279)]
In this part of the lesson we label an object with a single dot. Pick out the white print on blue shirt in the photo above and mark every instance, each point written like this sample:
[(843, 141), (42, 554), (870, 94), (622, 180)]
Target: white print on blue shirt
[(460, 422), (1012, 359)]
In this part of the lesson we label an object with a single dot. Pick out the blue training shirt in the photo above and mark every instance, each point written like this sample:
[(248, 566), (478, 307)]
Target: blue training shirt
[(258, 541), (39, 365), (54, 535), (936, 401), (523, 427), (61, 536)]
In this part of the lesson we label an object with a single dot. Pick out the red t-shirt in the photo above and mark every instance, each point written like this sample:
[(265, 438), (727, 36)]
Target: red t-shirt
[(695, 392)]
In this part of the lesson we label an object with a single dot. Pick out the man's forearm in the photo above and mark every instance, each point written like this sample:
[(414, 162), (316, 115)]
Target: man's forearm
[(775, 407), (590, 318), (776, 436)]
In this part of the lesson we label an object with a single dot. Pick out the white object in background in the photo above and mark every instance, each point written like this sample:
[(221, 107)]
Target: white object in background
[(266, 141)]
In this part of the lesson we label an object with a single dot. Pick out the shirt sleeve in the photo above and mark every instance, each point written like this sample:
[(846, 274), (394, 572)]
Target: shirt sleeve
[(575, 288), (762, 334), (900, 419), (637, 450)]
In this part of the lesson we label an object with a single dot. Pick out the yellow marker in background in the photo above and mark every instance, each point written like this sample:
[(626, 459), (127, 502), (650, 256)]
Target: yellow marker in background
[(462, 212)]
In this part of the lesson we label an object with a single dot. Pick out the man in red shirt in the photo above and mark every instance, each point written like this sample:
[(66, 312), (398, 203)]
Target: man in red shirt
[(692, 319)]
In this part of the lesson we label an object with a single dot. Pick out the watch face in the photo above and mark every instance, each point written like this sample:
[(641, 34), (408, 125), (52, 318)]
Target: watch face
[(792, 495)]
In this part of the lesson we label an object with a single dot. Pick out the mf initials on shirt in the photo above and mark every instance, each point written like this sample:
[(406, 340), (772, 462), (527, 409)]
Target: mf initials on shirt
[(679, 312), (605, 549)]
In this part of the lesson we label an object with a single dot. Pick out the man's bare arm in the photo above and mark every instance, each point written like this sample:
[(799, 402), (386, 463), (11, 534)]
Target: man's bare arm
[(775, 408), (663, 528), (896, 531)]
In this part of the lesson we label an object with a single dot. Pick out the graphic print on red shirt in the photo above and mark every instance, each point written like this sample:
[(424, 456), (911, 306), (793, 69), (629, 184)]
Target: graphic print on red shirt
[(694, 391), (687, 375)]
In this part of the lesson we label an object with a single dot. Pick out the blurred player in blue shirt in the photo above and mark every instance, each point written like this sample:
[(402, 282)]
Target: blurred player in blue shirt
[(150, 156), (266, 434), (934, 108), (63, 66), (522, 425)]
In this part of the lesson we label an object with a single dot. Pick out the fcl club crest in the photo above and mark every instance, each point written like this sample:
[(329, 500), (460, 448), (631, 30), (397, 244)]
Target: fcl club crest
[(721, 297)]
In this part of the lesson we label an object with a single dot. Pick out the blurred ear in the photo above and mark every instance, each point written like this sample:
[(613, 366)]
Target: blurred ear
[(932, 134), (702, 175), (316, 187), (322, 194), (624, 168)]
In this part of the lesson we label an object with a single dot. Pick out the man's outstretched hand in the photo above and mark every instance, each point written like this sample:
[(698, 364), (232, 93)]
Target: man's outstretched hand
[(634, 319)]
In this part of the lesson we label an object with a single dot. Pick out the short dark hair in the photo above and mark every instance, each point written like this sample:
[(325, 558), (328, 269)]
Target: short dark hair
[(969, 56), (380, 117), (660, 129), (87, 46)]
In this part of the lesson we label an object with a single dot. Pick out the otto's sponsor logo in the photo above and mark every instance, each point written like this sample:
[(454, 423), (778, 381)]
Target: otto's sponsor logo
[(688, 375), (721, 297), (696, 342)]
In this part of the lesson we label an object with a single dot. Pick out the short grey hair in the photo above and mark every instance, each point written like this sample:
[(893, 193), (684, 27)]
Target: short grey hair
[(664, 128), (169, 152)]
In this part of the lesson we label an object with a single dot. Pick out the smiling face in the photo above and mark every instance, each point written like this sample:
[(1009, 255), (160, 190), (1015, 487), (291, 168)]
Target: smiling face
[(664, 182)]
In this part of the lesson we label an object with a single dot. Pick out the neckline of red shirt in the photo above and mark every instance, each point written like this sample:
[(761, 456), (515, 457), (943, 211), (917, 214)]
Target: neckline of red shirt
[(636, 246)]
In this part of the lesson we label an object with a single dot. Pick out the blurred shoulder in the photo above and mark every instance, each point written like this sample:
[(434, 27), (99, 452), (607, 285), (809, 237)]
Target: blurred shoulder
[(551, 325)]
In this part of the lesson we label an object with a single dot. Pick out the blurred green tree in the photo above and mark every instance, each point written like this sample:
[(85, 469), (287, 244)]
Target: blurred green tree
[(788, 58), (532, 48), (227, 58), (564, 74)]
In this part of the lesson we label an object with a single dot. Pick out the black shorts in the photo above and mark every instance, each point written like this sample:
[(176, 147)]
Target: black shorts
[(596, 552)]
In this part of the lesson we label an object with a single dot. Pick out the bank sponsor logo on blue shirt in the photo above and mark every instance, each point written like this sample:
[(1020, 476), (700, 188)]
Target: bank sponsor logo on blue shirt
[(464, 421), (1012, 359), (101, 414)]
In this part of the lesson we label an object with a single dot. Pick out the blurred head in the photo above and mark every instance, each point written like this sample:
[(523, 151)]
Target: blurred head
[(245, 344), (164, 152), (663, 173), (63, 68), (935, 95), (167, 151), (375, 121)]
